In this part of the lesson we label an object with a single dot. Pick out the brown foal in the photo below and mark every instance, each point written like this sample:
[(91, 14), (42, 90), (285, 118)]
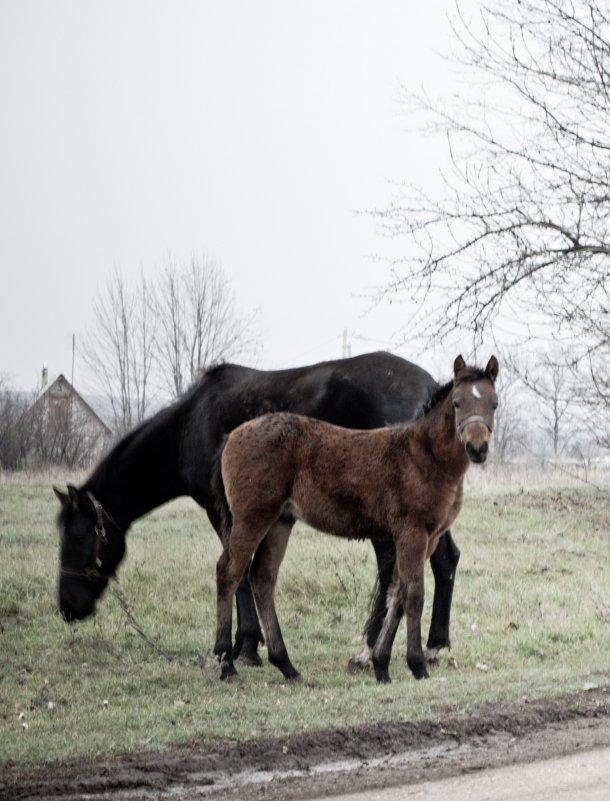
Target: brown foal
[(402, 482)]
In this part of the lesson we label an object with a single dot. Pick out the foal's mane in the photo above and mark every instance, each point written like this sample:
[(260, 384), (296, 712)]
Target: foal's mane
[(435, 397), (439, 394)]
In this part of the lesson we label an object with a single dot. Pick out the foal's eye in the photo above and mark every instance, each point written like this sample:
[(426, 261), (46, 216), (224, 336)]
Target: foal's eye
[(456, 404)]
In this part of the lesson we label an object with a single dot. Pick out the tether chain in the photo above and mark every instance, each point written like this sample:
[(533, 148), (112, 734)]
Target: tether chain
[(118, 593)]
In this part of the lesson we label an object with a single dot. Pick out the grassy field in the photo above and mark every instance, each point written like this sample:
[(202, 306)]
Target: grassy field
[(531, 618)]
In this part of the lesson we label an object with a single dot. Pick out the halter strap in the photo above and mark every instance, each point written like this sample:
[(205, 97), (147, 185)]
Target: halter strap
[(474, 418), (101, 538)]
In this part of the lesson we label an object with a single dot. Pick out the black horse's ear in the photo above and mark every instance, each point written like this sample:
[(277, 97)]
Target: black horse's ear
[(491, 371), (62, 497), (458, 365), (74, 499)]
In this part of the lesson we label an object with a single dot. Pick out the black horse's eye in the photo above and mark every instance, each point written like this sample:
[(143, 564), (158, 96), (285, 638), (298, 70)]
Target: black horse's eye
[(78, 535)]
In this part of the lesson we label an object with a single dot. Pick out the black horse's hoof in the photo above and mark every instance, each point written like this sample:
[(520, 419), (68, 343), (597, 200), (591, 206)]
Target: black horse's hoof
[(250, 659), (436, 643), (290, 672), (382, 673), (431, 655), (296, 678), (420, 671)]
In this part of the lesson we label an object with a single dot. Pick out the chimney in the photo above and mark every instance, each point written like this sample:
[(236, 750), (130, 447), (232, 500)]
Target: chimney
[(45, 376)]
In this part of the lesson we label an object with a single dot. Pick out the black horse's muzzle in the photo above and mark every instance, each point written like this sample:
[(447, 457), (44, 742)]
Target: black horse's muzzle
[(78, 594)]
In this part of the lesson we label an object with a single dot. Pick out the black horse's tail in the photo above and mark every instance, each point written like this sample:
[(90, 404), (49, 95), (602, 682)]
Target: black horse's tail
[(222, 512)]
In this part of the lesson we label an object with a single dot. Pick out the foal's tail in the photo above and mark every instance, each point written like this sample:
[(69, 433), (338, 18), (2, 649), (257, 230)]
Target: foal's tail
[(222, 512)]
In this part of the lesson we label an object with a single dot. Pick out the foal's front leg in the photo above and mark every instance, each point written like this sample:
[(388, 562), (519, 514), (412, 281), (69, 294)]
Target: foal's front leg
[(411, 552), (413, 602)]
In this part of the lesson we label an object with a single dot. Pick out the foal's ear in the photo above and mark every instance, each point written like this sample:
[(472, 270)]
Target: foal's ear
[(491, 371), (458, 365)]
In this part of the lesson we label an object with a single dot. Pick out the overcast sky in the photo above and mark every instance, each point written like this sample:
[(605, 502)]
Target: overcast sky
[(253, 132)]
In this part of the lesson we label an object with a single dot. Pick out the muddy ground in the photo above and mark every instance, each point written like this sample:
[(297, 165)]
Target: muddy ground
[(335, 761)]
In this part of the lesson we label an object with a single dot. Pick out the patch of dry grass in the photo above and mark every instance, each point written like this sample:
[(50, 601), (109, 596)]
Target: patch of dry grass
[(531, 618)]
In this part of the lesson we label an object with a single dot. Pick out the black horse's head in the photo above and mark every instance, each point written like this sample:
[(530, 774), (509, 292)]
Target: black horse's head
[(474, 401), (91, 547)]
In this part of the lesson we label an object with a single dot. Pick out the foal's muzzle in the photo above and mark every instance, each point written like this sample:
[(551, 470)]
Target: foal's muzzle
[(477, 455), (477, 445)]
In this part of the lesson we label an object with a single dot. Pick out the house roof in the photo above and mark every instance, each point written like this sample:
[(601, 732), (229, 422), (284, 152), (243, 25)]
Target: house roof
[(62, 380)]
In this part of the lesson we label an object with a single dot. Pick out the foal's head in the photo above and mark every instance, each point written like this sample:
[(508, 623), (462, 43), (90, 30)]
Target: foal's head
[(474, 403), (92, 545)]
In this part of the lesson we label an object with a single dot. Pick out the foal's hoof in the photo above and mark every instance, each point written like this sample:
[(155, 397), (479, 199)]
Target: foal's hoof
[(361, 661)]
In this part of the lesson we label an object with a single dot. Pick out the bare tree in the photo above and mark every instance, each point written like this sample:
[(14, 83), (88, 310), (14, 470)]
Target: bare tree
[(120, 348), (12, 435), (510, 429), (198, 322), (549, 379), (520, 230)]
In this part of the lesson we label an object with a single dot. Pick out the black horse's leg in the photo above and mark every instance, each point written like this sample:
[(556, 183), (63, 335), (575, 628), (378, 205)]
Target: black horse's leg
[(265, 566), (443, 562), (385, 551), (248, 634)]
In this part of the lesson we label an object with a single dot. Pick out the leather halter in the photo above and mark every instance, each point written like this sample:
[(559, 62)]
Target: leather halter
[(93, 573)]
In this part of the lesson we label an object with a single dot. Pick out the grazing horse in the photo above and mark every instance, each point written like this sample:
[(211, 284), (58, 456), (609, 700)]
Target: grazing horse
[(173, 454), (402, 483)]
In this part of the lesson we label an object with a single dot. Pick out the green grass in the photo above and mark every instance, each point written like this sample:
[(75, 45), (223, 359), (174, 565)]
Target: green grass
[(531, 617)]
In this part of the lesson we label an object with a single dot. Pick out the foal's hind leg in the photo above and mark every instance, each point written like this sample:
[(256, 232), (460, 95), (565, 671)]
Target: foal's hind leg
[(385, 552), (383, 647), (248, 634), (229, 570), (263, 575)]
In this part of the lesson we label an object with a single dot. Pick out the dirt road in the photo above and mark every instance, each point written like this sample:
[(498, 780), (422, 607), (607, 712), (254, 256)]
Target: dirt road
[(583, 776), (343, 761)]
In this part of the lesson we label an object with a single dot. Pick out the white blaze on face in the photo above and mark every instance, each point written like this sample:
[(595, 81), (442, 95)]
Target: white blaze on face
[(475, 392)]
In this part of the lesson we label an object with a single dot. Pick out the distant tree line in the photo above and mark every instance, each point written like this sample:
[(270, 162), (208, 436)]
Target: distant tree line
[(149, 341)]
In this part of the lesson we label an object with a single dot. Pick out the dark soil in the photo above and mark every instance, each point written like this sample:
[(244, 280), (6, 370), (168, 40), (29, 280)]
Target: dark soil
[(332, 761)]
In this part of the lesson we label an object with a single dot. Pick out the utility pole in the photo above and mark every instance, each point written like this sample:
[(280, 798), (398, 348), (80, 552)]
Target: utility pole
[(73, 349), (347, 346)]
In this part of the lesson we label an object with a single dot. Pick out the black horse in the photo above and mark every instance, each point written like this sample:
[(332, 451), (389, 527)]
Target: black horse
[(174, 452)]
